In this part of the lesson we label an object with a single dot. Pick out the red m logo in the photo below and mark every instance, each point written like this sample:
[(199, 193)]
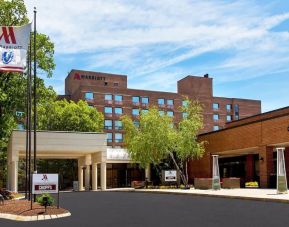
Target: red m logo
[(8, 35), (45, 178), (76, 76)]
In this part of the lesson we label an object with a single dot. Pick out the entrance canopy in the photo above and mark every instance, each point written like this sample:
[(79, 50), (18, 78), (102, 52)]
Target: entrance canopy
[(86, 147)]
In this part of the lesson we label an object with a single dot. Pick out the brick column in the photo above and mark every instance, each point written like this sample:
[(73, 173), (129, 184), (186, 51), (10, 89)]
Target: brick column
[(265, 165), (249, 167)]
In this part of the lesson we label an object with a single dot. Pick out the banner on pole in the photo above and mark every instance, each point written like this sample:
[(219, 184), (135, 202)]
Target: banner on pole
[(14, 42)]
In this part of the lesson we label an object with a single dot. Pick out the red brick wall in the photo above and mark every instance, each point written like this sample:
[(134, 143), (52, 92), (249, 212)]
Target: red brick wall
[(259, 138)]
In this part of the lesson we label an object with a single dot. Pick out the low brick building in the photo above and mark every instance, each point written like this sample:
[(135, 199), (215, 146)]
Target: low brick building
[(246, 148)]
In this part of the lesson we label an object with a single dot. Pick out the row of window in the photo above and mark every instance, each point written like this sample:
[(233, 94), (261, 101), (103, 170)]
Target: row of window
[(216, 117), (216, 106), (118, 138), (108, 124), (135, 112), (135, 99)]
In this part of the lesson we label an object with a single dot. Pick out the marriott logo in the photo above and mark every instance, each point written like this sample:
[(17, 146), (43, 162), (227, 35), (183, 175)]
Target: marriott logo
[(8, 35)]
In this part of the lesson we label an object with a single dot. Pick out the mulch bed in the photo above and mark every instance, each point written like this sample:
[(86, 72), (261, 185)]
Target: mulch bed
[(22, 207)]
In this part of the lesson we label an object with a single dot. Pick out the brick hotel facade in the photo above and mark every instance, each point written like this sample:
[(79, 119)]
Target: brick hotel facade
[(111, 96)]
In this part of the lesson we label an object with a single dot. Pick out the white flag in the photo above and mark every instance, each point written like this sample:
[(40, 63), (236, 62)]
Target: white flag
[(14, 42)]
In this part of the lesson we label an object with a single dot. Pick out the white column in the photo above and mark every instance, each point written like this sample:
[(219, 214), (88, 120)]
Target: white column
[(148, 173), (103, 176), (87, 177), (80, 178), (94, 176), (13, 176)]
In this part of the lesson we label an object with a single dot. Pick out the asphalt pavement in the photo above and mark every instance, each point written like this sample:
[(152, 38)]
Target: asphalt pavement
[(133, 209)]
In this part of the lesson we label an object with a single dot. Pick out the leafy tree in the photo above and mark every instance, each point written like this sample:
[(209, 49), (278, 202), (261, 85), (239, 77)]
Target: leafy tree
[(66, 115), (156, 139), (13, 85)]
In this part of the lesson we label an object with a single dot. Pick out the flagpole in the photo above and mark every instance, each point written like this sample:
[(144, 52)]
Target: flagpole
[(29, 126), (35, 99), (27, 131)]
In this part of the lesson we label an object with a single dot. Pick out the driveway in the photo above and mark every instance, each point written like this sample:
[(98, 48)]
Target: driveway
[(147, 209)]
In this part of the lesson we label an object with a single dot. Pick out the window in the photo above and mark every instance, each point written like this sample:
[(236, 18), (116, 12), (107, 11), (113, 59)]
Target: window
[(108, 110), (136, 123), (161, 112), (216, 127), (228, 107), (105, 83), (108, 124), (145, 100), (109, 137), (236, 111), (118, 125), (118, 110), (170, 113), (144, 111), (118, 137), (135, 99), (185, 115), (229, 118), (135, 112), (161, 102), (215, 106), (90, 106), (216, 117), (20, 126), (88, 96), (185, 103), (118, 98), (170, 102), (108, 97), (115, 84)]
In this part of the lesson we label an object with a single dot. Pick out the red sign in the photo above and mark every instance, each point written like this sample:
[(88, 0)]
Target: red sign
[(45, 187)]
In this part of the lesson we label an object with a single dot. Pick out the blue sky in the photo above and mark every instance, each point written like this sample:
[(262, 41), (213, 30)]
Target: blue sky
[(243, 45)]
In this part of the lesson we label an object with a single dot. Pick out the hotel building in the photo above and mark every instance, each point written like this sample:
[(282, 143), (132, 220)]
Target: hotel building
[(109, 94)]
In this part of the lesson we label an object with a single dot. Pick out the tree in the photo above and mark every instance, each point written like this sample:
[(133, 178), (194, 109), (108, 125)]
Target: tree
[(13, 85), (156, 138), (66, 115)]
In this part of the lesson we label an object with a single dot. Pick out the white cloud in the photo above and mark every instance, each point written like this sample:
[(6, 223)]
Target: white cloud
[(149, 38)]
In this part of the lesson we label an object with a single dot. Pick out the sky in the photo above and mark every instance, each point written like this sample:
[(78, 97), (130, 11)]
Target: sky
[(243, 45)]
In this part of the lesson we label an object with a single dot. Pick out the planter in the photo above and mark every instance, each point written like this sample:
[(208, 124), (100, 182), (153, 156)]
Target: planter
[(203, 183), (231, 182), (251, 187)]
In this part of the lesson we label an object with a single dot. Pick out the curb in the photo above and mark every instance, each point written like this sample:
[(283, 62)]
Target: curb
[(286, 201), (33, 218)]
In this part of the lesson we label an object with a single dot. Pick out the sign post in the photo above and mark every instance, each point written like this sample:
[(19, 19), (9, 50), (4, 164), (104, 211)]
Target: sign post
[(170, 176), (281, 172), (45, 183), (216, 175)]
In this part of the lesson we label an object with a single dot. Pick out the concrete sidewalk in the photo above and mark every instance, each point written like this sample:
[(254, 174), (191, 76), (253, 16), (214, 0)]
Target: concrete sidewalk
[(243, 193)]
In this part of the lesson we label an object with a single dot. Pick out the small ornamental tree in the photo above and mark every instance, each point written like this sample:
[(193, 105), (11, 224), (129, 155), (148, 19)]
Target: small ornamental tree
[(156, 138)]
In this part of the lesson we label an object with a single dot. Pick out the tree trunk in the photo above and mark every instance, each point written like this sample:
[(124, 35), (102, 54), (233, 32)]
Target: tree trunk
[(183, 177), (186, 171)]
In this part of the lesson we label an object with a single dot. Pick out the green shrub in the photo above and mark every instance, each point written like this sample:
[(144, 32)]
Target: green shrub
[(40, 200)]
